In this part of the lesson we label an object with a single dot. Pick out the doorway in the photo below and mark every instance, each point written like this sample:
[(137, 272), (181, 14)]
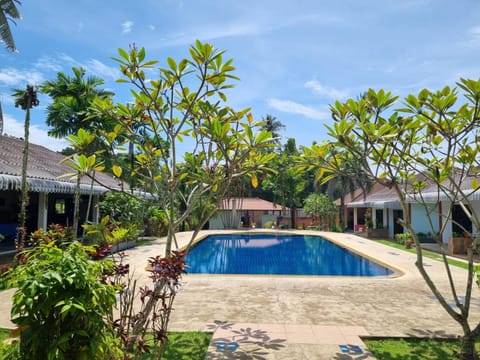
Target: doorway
[(460, 221), (397, 228)]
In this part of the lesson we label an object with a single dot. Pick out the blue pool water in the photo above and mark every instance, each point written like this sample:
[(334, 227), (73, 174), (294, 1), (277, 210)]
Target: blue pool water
[(277, 254)]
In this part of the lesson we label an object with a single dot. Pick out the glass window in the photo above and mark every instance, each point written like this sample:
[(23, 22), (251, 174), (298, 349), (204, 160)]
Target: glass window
[(60, 206)]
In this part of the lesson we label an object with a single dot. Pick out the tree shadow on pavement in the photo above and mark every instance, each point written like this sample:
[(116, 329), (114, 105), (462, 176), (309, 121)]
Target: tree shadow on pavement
[(242, 344)]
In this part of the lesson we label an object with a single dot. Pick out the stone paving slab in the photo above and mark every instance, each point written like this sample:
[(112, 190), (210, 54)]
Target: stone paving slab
[(279, 341)]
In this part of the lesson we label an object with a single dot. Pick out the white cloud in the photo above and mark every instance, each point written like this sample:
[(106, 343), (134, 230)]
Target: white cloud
[(152, 27), (15, 77), (100, 69), (49, 63), (296, 108), (212, 33), (127, 26), (38, 136), (92, 66), (326, 91), (475, 32)]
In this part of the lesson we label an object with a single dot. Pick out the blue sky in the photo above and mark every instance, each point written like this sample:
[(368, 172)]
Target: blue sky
[(294, 58)]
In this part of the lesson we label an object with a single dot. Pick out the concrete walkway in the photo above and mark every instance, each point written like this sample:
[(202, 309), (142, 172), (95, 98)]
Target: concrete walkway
[(306, 317)]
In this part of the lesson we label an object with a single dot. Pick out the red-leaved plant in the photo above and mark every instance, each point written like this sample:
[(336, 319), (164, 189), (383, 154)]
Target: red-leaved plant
[(136, 322)]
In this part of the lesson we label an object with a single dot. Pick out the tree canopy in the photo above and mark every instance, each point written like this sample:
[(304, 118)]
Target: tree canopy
[(188, 145), (425, 149)]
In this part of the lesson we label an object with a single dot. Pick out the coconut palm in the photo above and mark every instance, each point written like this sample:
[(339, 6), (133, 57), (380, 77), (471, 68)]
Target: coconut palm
[(25, 99), (270, 123), (8, 12)]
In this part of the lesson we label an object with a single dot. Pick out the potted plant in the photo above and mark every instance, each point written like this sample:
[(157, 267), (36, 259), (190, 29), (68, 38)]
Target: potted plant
[(110, 233)]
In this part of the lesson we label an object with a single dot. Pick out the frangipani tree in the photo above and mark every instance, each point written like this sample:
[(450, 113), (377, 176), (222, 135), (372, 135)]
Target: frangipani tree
[(427, 151), (188, 145)]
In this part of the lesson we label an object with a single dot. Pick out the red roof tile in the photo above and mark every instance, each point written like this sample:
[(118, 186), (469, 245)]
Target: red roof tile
[(250, 204)]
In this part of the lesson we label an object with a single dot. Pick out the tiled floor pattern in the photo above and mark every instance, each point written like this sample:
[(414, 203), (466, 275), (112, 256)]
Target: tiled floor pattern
[(277, 341)]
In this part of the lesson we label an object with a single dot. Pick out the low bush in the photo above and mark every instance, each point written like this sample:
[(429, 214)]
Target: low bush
[(403, 238), (60, 304), (5, 272), (269, 224)]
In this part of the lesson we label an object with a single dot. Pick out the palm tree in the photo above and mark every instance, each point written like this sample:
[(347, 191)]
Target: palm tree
[(72, 97), (8, 11), (26, 99), (270, 123)]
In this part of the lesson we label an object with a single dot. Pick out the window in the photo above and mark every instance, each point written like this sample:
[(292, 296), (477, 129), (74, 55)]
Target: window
[(60, 206)]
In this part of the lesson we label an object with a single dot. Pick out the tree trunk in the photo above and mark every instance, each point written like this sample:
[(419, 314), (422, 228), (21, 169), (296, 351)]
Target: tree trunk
[(292, 216), (76, 207), (468, 351), (90, 200), (342, 213), (23, 206)]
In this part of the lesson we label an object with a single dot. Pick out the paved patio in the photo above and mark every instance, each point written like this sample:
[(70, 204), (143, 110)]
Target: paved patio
[(306, 317)]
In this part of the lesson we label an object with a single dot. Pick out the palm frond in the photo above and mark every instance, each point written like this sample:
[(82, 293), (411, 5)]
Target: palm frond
[(8, 13)]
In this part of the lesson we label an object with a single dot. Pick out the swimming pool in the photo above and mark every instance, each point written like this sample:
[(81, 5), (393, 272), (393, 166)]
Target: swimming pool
[(277, 255)]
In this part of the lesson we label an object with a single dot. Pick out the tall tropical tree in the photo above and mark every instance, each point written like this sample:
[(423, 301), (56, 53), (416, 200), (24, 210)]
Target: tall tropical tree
[(426, 151), (286, 183), (8, 12), (271, 124), (321, 206), (72, 97), (186, 101), (26, 100)]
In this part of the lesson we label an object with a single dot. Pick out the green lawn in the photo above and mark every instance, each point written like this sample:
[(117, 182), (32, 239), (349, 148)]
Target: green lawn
[(181, 345), (194, 345), (426, 253), (413, 349), (187, 345)]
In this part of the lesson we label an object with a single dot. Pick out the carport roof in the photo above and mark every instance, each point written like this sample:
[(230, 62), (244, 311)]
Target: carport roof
[(250, 204)]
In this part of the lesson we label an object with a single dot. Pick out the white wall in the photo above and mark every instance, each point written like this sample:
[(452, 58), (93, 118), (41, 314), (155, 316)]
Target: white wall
[(420, 215), (216, 222)]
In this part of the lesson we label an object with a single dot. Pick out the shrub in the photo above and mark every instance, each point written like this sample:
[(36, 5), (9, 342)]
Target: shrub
[(123, 208), (109, 232), (156, 304), (55, 233), (157, 222), (61, 303), (403, 238), (5, 272), (336, 228), (269, 224)]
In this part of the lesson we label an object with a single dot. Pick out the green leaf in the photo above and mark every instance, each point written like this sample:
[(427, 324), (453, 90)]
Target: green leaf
[(117, 170), (123, 54), (172, 64)]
